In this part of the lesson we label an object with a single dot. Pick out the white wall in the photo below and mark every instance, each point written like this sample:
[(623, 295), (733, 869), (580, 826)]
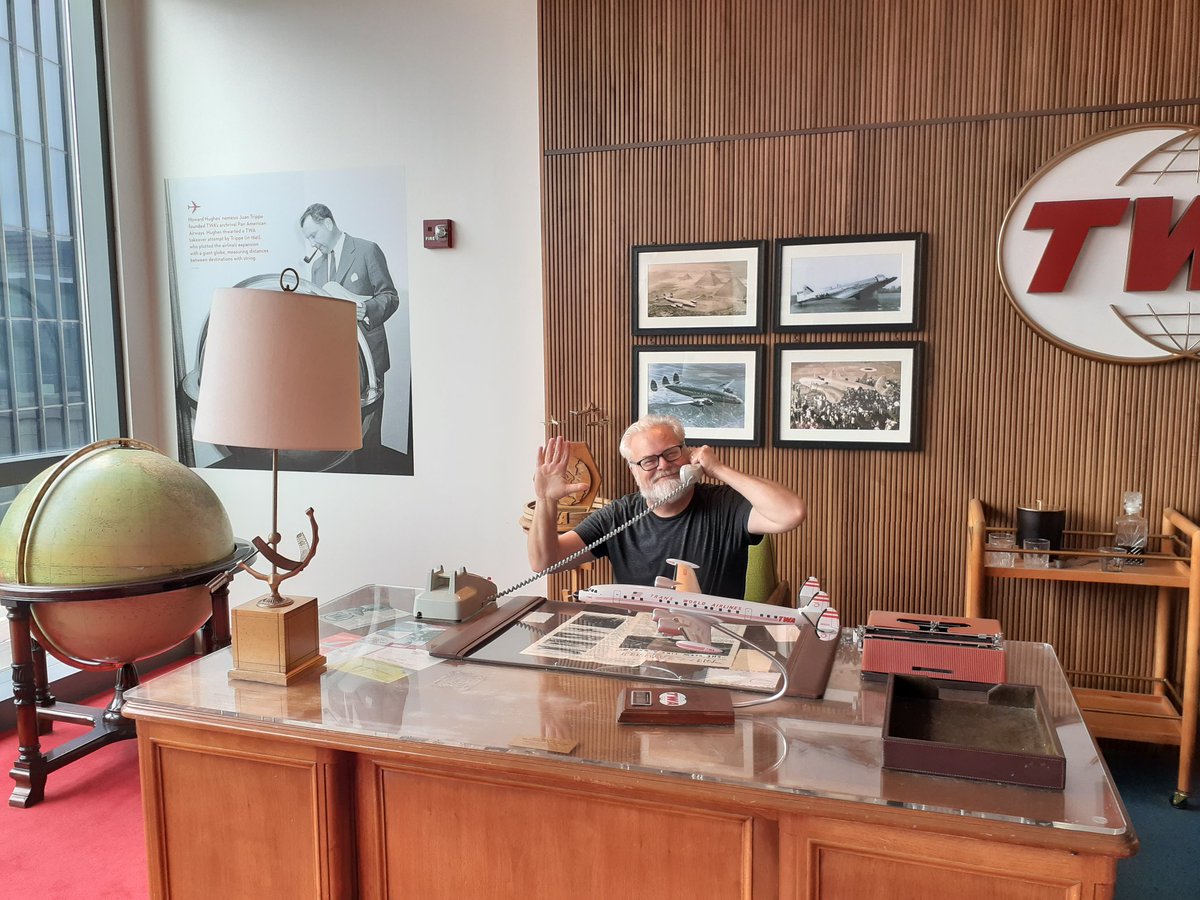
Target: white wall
[(448, 92)]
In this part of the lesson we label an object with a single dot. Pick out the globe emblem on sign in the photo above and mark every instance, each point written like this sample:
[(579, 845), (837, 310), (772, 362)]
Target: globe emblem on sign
[(672, 698), (577, 472), (117, 512)]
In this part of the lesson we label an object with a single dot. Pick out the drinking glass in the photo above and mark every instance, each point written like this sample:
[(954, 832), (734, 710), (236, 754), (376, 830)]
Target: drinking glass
[(1000, 544), (1037, 560), (1112, 559)]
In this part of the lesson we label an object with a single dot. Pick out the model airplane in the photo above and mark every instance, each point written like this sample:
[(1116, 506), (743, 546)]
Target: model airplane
[(695, 395), (859, 291), (730, 610), (687, 616), (692, 631)]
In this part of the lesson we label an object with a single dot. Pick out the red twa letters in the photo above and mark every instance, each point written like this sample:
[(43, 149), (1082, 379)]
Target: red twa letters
[(1158, 247)]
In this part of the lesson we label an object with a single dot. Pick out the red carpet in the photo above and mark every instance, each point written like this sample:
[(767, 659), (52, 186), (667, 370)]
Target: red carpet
[(85, 840)]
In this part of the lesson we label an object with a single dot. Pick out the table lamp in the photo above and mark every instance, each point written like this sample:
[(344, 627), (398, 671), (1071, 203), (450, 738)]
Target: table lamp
[(281, 372)]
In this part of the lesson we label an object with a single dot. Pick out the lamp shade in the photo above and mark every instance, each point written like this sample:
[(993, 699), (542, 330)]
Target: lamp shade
[(280, 372)]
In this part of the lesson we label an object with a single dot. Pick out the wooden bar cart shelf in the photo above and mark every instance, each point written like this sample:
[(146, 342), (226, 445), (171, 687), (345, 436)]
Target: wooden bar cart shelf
[(1168, 713)]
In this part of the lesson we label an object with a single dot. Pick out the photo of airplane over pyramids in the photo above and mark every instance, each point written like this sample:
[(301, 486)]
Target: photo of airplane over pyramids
[(710, 288)]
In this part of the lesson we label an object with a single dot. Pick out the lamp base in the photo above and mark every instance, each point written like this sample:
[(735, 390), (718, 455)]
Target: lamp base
[(275, 645)]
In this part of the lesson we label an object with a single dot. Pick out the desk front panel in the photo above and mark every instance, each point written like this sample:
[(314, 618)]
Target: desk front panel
[(441, 835)]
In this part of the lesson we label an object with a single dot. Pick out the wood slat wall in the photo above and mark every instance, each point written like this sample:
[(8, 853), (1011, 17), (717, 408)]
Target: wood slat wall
[(675, 121)]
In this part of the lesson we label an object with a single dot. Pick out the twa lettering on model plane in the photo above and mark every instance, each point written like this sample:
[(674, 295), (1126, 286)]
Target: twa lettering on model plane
[(860, 291), (695, 395)]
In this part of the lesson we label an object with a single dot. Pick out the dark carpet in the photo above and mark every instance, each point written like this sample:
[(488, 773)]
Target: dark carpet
[(1165, 865)]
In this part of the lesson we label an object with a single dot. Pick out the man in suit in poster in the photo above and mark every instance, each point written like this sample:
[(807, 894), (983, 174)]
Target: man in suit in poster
[(356, 269)]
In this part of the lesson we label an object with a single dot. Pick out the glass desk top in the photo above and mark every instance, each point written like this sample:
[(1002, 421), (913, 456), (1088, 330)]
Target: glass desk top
[(381, 683)]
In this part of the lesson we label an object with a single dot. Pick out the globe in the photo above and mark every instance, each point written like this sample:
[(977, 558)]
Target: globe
[(113, 513)]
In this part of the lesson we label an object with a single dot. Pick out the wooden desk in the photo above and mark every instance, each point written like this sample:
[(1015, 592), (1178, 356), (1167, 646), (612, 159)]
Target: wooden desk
[(426, 787)]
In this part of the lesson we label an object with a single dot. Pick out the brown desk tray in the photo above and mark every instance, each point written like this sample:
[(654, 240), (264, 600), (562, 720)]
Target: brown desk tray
[(966, 729)]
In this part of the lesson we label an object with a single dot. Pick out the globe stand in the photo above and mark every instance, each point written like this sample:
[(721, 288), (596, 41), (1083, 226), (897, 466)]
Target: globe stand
[(127, 677), (36, 707)]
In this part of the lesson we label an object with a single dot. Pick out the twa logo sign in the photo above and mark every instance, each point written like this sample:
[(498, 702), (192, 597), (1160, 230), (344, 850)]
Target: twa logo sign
[(1100, 253)]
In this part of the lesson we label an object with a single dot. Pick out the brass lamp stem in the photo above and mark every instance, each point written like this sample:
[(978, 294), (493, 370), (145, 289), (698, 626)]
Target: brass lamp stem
[(269, 549), (275, 600)]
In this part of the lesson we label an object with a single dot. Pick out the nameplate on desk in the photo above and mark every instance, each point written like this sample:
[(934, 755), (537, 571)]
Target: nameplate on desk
[(552, 745)]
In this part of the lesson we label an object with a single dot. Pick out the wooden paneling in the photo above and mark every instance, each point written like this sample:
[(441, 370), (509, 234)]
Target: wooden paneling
[(428, 828), (833, 859), (273, 801), (618, 74), (683, 120)]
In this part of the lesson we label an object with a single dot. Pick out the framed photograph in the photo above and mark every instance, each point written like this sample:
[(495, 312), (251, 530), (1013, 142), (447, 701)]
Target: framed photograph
[(716, 392), (699, 288), (861, 396), (852, 283)]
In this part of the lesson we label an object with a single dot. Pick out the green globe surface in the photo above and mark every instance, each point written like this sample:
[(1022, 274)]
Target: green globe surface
[(117, 515)]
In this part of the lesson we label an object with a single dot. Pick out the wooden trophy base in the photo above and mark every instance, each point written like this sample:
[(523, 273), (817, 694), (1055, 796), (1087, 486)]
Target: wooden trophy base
[(275, 645), (683, 705)]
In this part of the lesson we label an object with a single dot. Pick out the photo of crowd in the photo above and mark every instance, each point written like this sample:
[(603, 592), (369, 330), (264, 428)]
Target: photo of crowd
[(870, 403), (848, 395)]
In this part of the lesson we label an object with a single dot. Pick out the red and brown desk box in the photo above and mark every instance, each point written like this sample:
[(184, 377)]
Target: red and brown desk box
[(964, 729), (955, 648)]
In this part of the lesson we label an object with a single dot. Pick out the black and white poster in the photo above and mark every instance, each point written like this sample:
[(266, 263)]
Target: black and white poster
[(343, 232)]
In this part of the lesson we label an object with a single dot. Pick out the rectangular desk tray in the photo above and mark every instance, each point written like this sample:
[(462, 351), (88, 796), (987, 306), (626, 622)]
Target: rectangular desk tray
[(966, 729)]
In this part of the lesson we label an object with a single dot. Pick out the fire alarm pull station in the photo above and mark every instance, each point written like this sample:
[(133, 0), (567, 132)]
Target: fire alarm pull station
[(439, 234)]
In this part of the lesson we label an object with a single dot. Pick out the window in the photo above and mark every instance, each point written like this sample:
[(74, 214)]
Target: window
[(60, 372), (58, 361)]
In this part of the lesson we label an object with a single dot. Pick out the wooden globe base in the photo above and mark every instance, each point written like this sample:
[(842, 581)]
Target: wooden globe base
[(275, 644), (36, 707)]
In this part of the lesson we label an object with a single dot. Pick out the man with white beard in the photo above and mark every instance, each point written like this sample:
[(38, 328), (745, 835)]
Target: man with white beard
[(710, 525)]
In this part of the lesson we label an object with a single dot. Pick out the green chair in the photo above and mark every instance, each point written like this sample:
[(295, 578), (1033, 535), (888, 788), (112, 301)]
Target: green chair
[(762, 583)]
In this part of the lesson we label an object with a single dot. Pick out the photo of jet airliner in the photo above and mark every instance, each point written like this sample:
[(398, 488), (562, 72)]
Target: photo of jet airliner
[(861, 292), (693, 394)]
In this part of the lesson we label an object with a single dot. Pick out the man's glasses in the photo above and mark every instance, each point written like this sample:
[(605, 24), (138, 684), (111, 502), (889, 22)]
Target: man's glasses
[(650, 463)]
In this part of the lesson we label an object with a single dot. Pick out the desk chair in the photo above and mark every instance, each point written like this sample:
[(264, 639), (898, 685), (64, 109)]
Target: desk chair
[(763, 585)]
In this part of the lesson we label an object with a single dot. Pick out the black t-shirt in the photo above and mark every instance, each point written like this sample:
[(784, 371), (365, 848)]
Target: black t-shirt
[(711, 533)]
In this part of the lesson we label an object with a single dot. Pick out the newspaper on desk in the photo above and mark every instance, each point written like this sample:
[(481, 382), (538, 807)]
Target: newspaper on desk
[(384, 655), (361, 616), (617, 640), (405, 644)]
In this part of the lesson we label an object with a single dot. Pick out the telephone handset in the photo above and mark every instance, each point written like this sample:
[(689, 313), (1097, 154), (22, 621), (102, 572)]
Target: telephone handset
[(688, 475)]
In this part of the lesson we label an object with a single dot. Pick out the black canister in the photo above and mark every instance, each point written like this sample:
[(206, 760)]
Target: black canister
[(1041, 521)]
